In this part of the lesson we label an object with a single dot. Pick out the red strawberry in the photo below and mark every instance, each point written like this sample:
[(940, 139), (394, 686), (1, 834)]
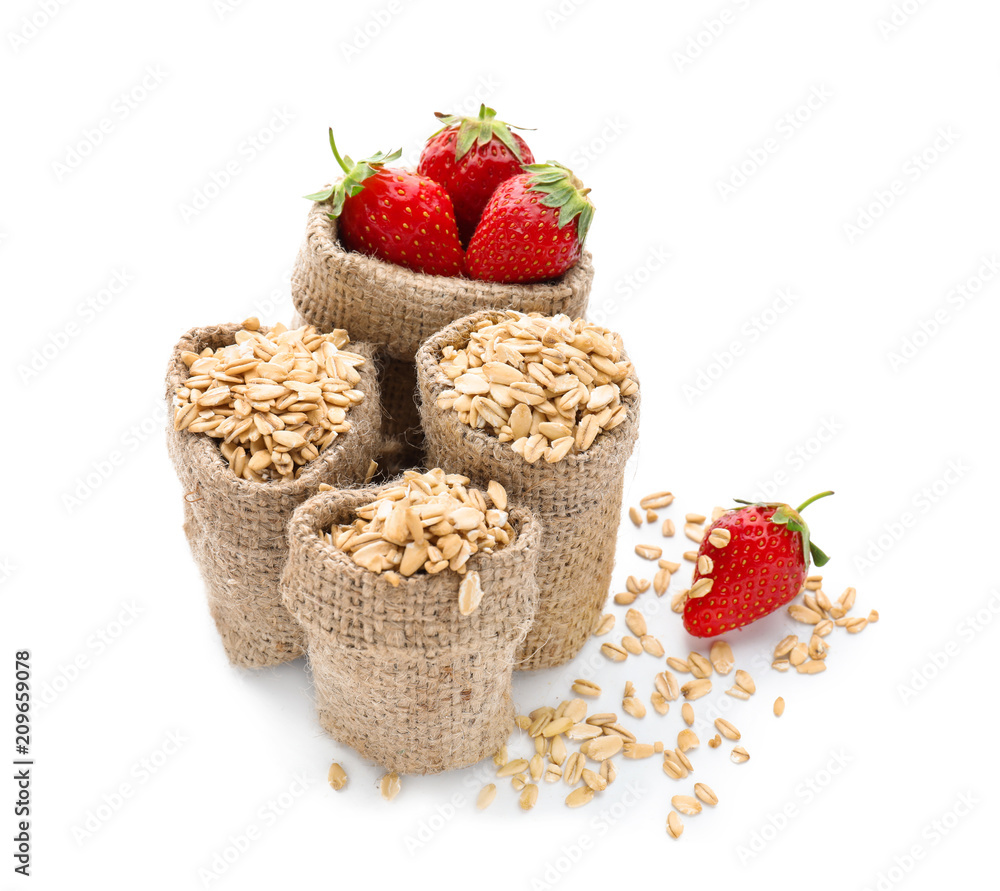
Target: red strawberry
[(527, 232), (393, 214), (762, 568), (470, 157)]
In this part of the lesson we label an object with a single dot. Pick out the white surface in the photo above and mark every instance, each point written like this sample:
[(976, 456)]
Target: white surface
[(659, 140)]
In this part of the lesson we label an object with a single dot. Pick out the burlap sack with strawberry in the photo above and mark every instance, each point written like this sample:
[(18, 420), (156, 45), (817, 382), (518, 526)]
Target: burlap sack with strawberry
[(577, 501), (236, 527), (383, 255), (397, 308), (400, 675)]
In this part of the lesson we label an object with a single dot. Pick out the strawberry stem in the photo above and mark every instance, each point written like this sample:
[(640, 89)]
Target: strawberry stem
[(353, 180), (336, 154), (809, 501)]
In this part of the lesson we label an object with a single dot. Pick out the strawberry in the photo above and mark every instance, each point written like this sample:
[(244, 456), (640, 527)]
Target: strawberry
[(396, 215), (470, 157), (762, 568), (527, 233)]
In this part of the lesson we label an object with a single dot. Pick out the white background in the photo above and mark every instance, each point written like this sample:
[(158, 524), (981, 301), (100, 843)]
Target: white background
[(654, 123)]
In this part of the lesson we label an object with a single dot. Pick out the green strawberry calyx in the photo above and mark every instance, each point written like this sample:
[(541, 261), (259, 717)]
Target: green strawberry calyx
[(786, 515), (479, 130), (562, 190), (355, 175)]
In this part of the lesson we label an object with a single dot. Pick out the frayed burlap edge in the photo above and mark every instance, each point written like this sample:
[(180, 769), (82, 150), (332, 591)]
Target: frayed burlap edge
[(396, 308), (401, 676), (236, 527), (577, 501)]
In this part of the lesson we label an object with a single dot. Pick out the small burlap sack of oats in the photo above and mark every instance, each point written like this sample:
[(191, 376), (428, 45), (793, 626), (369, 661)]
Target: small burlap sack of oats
[(412, 660), (554, 411), (396, 308), (239, 497)]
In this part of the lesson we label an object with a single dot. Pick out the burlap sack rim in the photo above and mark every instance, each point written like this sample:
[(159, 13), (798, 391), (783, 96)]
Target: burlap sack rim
[(324, 508), (311, 475), (321, 233), (605, 448)]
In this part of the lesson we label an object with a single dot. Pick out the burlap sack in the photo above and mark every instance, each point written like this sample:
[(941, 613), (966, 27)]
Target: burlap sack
[(398, 386), (400, 416), (577, 501), (401, 676), (385, 304), (236, 527)]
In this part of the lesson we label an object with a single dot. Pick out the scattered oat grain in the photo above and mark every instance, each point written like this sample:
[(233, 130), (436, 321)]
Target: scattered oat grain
[(659, 702), (636, 622), (675, 827), (573, 768), (694, 532), (652, 646), (661, 581), (636, 585), (804, 615), (389, 786), (656, 500), (513, 767), (686, 804), (706, 794), (687, 739), (696, 689), (613, 652), (604, 624), (594, 780), (631, 645), (846, 599), (529, 796), (637, 751), (721, 655), (745, 681), (727, 729), (337, 776), (700, 666), (585, 688)]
